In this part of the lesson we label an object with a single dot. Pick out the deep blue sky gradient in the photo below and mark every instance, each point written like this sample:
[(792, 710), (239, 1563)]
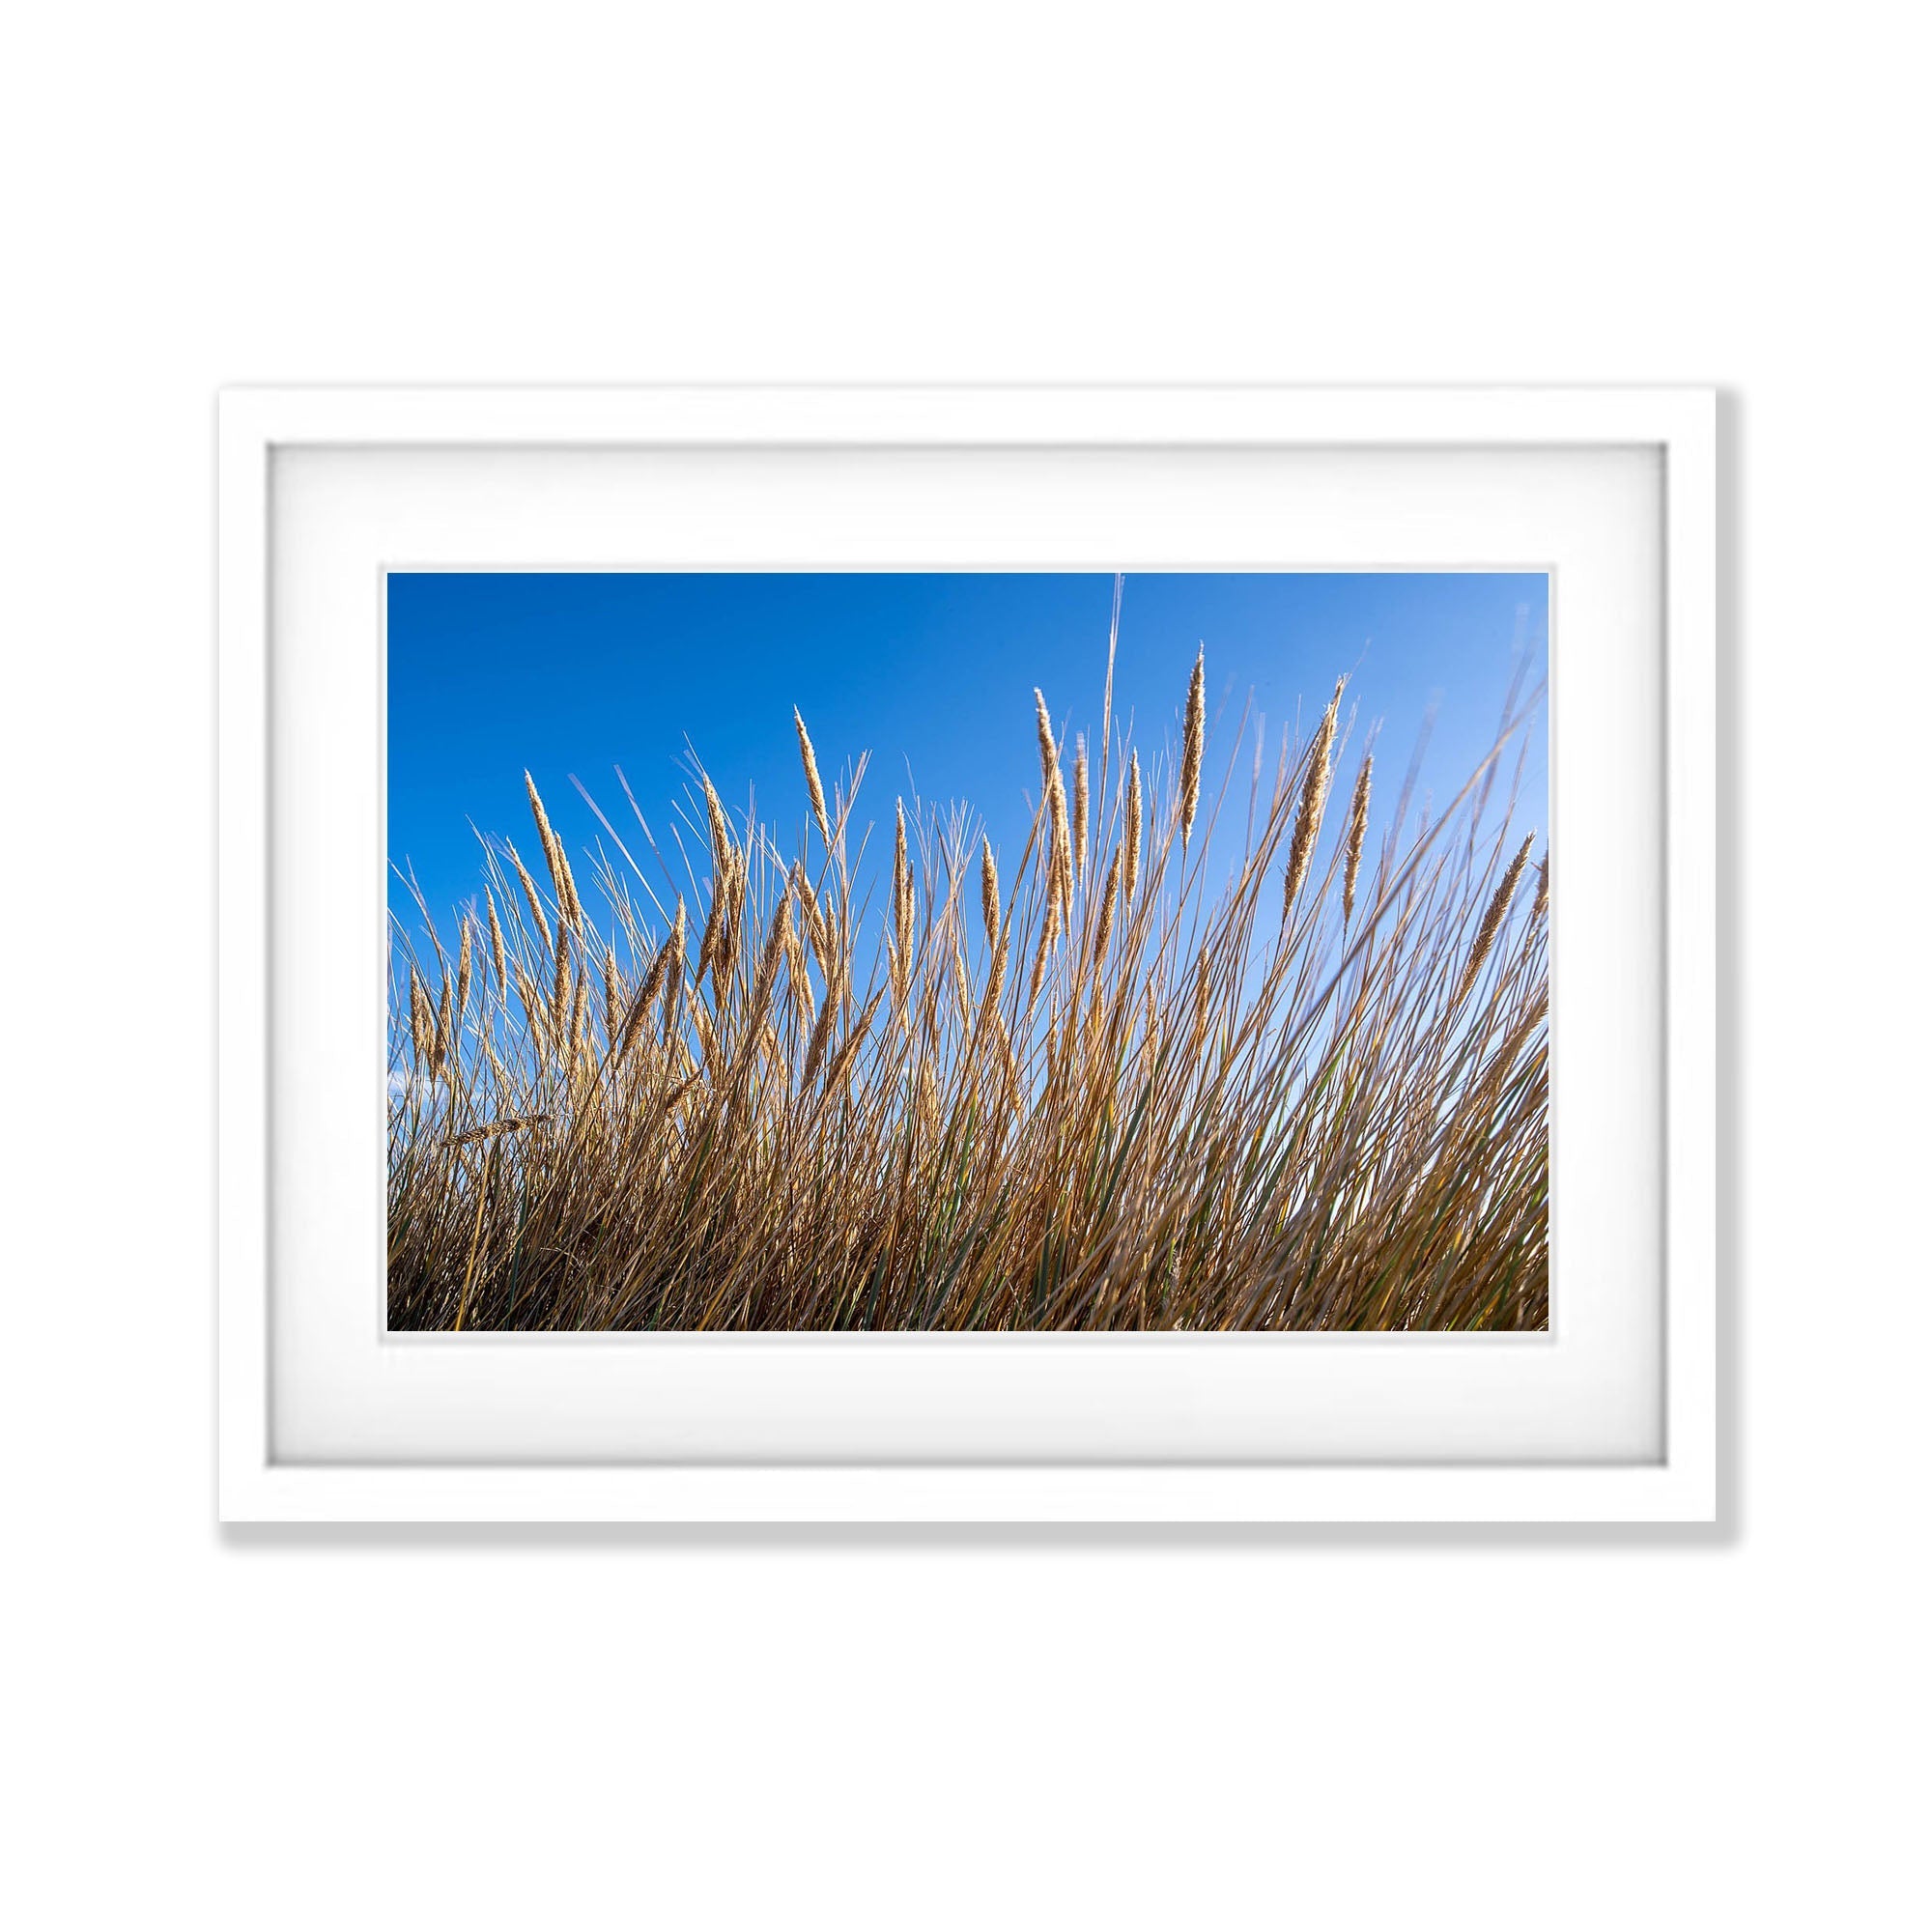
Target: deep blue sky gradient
[(578, 673)]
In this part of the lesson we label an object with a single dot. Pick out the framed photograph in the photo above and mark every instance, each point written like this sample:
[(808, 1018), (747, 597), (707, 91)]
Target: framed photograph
[(968, 954)]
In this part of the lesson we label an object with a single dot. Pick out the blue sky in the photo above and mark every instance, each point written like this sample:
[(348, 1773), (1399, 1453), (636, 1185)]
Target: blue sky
[(578, 673)]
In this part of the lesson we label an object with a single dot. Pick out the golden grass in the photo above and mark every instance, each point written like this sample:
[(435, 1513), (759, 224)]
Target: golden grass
[(1185, 1115), (1193, 744), (814, 791), (1493, 917), (1317, 771), (1357, 837)]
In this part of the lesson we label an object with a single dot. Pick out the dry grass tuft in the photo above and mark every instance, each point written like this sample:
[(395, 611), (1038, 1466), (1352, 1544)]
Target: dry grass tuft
[(1188, 1117)]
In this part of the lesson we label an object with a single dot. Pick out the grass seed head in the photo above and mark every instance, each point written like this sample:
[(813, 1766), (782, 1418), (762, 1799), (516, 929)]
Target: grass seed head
[(1080, 807), (724, 849), (715, 915), (579, 1027), (1193, 744), (496, 955), (1493, 917), (1359, 831), (741, 889), (816, 931), (1204, 988), (1108, 895), (529, 886), (989, 892), (773, 951), (560, 998), (1049, 754), (1059, 861), (671, 960), (813, 790), (996, 979), (569, 910), (463, 973), (1040, 958), (652, 988), (422, 1023), (902, 916), (962, 982), (1313, 799)]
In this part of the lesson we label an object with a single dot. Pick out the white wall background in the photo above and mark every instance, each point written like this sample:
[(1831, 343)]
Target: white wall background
[(588, 1730)]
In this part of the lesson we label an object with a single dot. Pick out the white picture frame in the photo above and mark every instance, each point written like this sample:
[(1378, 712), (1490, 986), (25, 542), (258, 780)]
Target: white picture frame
[(276, 1464)]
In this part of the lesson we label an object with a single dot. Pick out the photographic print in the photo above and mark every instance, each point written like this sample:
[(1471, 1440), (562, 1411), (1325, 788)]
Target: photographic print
[(967, 952)]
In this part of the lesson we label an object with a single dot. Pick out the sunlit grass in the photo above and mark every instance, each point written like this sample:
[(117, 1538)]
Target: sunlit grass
[(808, 1085)]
